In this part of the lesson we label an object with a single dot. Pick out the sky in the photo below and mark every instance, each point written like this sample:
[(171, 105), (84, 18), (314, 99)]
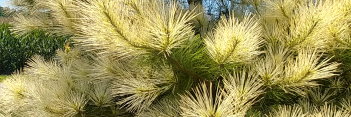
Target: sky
[(5, 3)]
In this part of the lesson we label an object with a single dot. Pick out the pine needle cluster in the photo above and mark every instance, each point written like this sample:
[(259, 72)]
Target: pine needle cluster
[(153, 58)]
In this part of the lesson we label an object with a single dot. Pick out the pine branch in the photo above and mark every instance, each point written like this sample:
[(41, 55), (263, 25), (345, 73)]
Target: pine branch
[(178, 66)]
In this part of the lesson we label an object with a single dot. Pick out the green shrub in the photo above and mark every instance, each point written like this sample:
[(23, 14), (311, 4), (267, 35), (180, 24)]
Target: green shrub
[(16, 50)]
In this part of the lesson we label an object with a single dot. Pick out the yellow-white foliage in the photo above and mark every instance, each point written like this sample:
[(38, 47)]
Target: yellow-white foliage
[(51, 89), (108, 69), (25, 24), (336, 17), (165, 26), (273, 33), (163, 108), (243, 87), (104, 25), (288, 16), (280, 9), (46, 90), (68, 57), (297, 111), (270, 69), (101, 94), (281, 68), (239, 93), (135, 85), (64, 13), (329, 111), (307, 67), (139, 89), (306, 23), (206, 103), (121, 29), (121, 34), (57, 93), (45, 70), (60, 99), (15, 96), (234, 41), (55, 16), (346, 104), (26, 3), (288, 111), (309, 33)]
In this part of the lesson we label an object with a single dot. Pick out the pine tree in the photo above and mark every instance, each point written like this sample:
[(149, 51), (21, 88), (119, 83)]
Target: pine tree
[(153, 58)]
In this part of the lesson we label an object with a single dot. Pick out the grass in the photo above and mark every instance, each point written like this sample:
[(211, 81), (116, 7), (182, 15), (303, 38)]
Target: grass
[(2, 77)]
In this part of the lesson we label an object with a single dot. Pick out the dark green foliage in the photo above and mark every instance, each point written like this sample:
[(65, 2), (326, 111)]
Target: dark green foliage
[(2, 12), (193, 58), (16, 50), (93, 111), (343, 56)]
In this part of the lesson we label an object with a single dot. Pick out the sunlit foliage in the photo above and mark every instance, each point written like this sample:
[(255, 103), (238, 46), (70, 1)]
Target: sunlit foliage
[(156, 58)]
